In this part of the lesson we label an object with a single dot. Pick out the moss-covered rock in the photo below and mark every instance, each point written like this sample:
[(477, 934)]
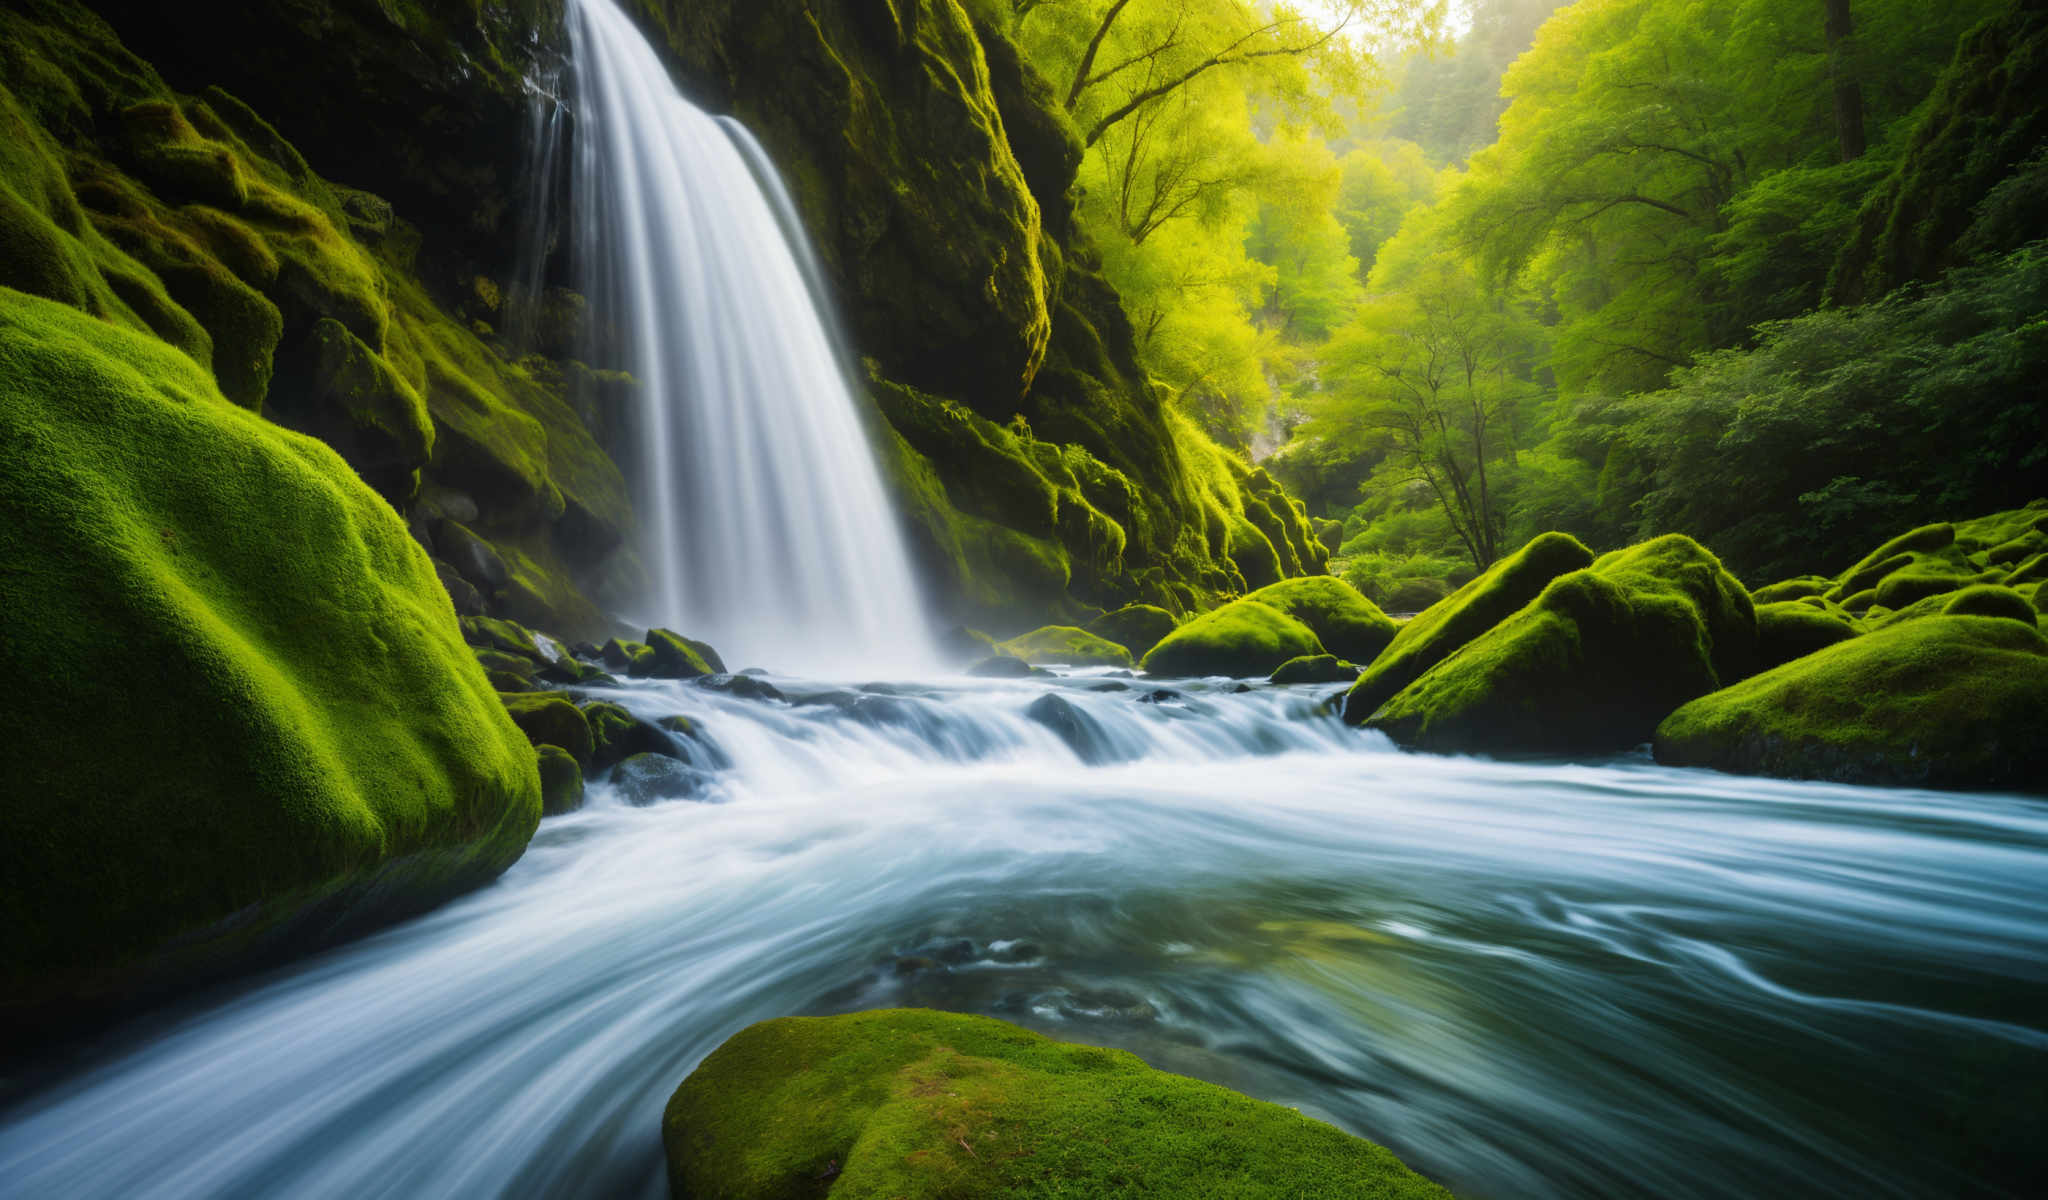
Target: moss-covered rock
[(1946, 701), (1067, 645), (561, 781), (1344, 621), (1314, 668), (1244, 638), (1989, 601), (671, 656), (617, 735), (1592, 664), (254, 724), (916, 1104), (1441, 629), (551, 719), (1793, 589), (1135, 627), (1793, 629)]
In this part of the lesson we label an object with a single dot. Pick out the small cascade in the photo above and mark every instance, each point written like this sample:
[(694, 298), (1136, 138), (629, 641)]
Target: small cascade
[(766, 527)]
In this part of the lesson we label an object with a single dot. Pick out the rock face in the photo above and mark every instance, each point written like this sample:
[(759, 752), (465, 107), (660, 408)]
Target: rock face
[(1243, 638), (188, 216), (920, 1105), (247, 719), (1943, 701), (1592, 664), (1439, 631)]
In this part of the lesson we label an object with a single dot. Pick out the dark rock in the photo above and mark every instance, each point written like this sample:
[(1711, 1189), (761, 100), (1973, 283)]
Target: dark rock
[(673, 656), (1003, 666), (644, 779), (1077, 729), (549, 719), (472, 557), (745, 687), (467, 600)]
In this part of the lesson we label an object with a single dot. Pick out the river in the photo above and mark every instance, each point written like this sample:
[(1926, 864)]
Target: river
[(1528, 979)]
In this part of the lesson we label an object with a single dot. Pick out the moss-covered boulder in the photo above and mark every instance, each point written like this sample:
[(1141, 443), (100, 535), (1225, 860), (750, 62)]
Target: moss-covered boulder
[(1067, 645), (1343, 620), (1592, 664), (561, 781), (673, 656), (617, 735), (1989, 601), (1314, 668), (1243, 638), (1798, 588), (1793, 629), (1438, 631), (921, 1105), (244, 718), (551, 719), (1945, 701), (1135, 627)]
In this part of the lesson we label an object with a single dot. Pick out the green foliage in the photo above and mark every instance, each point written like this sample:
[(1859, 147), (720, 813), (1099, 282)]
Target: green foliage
[(1948, 701), (1844, 422), (1068, 646), (921, 1105), (1243, 638), (252, 703)]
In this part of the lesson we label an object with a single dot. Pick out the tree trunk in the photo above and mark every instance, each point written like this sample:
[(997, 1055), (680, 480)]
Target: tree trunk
[(1841, 72)]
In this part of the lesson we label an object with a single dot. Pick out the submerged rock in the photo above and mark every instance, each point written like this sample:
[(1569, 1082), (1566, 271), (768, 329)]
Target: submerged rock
[(1242, 638), (744, 686), (1076, 728), (1592, 664), (919, 1105), (253, 725), (645, 779), (1945, 701)]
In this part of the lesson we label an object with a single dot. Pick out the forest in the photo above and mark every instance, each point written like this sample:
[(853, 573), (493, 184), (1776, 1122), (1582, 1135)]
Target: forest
[(1024, 599)]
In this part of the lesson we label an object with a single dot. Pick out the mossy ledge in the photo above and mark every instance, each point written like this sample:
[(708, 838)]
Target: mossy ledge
[(254, 722), (921, 1105), (1943, 701)]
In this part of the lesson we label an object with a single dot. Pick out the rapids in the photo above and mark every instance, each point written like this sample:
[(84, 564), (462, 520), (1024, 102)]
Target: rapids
[(1544, 979)]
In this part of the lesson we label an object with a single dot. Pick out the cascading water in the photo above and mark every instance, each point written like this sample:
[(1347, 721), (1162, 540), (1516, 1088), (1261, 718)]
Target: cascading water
[(767, 528)]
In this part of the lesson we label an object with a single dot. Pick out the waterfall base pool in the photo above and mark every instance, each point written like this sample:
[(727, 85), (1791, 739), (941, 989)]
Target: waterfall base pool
[(1527, 979)]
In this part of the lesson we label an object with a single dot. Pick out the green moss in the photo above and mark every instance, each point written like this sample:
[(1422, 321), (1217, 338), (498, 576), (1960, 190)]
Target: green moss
[(1068, 646), (1135, 627), (1592, 664), (914, 1105), (1794, 629), (672, 656), (1314, 668), (1793, 589), (251, 693), (618, 735), (1438, 631), (551, 719), (1345, 622), (561, 781), (1947, 701), (1243, 638), (503, 635), (2032, 570), (1986, 601)]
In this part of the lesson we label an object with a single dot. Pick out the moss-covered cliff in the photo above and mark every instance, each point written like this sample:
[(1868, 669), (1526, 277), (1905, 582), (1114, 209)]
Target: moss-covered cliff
[(387, 290)]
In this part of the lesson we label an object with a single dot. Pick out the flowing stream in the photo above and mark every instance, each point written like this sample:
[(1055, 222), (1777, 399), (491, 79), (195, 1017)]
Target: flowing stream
[(1529, 979), (768, 531)]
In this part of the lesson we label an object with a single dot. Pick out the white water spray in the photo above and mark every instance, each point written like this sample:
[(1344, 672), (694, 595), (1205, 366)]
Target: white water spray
[(767, 528)]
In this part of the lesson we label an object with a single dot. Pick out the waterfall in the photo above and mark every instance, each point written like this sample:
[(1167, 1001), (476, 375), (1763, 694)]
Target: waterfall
[(765, 525)]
